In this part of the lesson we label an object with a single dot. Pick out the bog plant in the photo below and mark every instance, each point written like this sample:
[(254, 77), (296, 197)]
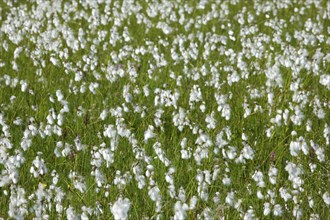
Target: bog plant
[(164, 109)]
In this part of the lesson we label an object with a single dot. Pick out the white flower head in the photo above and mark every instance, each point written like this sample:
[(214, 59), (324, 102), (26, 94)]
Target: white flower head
[(278, 210), (266, 208), (180, 210), (120, 208), (149, 133), (326, 198)]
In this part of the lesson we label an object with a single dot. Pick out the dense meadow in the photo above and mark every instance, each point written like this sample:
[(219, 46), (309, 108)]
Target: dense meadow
[(164, 109)]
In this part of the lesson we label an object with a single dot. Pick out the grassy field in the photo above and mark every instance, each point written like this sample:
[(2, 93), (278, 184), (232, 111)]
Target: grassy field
[(164, 109)]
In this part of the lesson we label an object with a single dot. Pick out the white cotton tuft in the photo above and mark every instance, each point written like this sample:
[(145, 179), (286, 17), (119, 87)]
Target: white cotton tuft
[(278, 210), (266, 208), (325, 80), (149, 133), (120, 208), (180, 210), (326, 198), (154, 194)]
